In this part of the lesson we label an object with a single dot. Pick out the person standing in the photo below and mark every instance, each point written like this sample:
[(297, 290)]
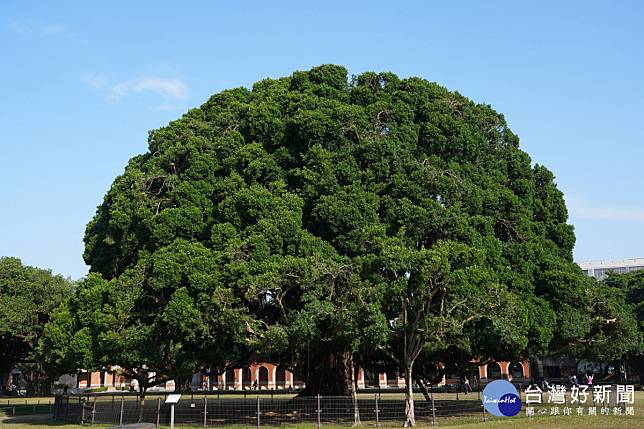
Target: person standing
[(466, 385)]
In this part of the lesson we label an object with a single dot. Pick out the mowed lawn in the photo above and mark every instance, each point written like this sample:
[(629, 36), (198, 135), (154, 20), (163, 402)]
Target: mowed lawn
[(564, 422), (469, 422)]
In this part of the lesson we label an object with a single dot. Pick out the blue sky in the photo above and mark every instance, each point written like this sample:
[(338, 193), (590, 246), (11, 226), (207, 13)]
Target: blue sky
[(83, 82)]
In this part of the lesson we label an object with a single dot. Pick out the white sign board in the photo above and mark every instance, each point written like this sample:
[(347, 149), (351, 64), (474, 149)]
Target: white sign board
[(173, 398)]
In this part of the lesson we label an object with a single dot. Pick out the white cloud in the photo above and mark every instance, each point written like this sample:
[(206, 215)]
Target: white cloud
[(35, 29), (52, 28), (170, 89), (167, 106), (608, 213), (96, 80)]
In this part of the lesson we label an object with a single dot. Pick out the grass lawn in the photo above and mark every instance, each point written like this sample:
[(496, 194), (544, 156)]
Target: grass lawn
[(563, 422), (6, 401)]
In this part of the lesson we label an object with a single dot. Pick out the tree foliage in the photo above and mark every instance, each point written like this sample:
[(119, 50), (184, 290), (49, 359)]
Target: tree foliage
[(313, 216), (621, 309), (27, 297)]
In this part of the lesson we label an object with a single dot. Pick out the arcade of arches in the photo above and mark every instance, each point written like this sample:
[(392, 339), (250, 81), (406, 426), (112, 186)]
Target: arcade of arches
[(270, 376), (517, 371)]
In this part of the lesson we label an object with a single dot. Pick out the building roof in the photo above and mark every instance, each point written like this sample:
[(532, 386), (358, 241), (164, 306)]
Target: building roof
[(614, 263)]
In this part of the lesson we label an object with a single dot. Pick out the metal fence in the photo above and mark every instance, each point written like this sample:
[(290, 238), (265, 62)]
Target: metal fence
[(259, 411), (213, 409), (14, 407)]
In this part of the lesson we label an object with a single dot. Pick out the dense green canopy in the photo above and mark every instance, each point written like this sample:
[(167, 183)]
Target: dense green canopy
[(312, 217), (621, 294), (27, 297)]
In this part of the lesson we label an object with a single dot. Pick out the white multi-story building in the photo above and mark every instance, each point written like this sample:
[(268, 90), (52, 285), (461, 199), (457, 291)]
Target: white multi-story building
[(600, 269)]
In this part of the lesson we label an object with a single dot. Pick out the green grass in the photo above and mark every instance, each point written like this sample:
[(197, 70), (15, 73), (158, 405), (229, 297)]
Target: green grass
[(5, 401), (24, 410), (563, 422)]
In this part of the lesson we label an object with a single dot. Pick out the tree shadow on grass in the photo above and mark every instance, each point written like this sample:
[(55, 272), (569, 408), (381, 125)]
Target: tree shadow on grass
[(32, 421)]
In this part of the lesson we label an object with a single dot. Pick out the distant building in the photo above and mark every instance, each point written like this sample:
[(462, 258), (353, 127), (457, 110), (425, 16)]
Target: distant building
[(268, 376), (600, 269)]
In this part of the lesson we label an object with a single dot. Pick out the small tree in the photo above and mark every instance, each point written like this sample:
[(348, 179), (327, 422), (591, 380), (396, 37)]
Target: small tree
[(617, 325), (429, 296), (27, 297)]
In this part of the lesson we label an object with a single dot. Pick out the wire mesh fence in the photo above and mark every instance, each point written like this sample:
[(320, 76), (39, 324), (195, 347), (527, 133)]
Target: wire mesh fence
[(209, 411), (29, 407), (268, 410)]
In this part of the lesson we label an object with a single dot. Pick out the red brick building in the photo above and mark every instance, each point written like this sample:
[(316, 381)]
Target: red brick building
[(271, 376)]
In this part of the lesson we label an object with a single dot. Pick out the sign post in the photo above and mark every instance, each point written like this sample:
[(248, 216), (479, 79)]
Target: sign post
[(172, 400)]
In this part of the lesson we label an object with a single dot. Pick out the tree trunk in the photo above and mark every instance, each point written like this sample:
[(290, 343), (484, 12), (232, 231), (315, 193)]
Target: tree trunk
[(329, 374), (8, 381), (410, 419), (182, 384), (354, 392), (423, 389), (142, 391)]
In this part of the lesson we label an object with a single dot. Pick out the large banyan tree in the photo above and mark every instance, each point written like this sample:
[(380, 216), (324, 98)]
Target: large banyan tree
[(314, 216)]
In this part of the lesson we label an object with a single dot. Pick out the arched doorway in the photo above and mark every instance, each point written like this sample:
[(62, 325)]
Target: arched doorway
[(392, 378), (280, 377), (262, 376), (516, 371), (246, 378), (297, 379), (230, 379), (371, 378), (493, 371)]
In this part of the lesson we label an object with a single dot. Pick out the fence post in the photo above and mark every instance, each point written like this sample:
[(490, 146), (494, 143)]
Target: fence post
[(158, 411), (431, 386), (67, 410), (318, 411), (121, 413), (478, 387), (93, 410), (623, 402), (83, 413), (258, 413), (377, 410), (205, 411), (484, 417)]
